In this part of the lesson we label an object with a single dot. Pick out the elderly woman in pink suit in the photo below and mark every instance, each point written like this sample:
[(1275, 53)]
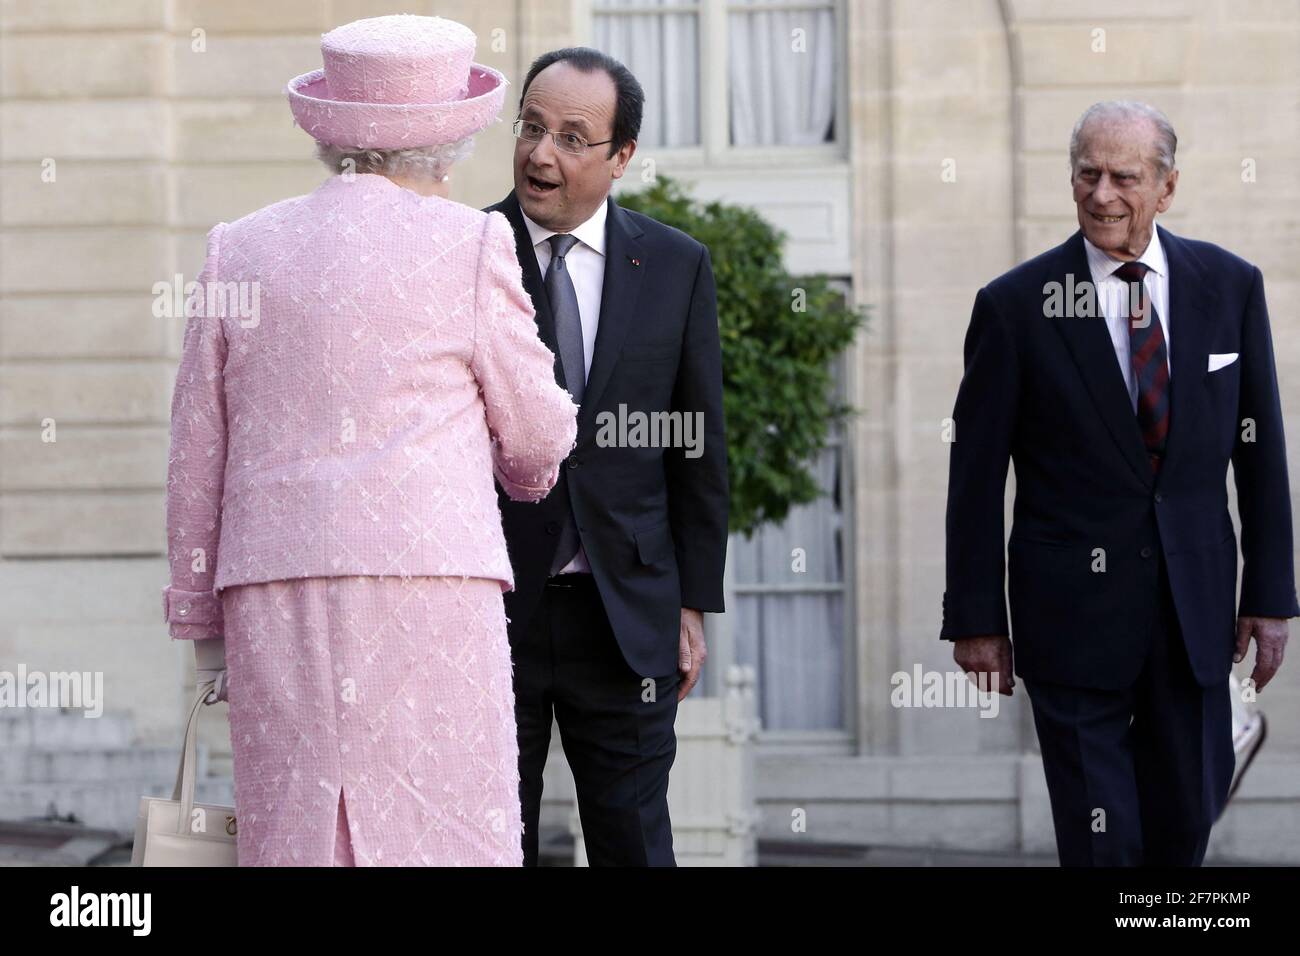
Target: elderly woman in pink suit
[(359, 364)]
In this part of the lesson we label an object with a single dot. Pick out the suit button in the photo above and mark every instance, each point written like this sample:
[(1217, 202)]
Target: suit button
[(573, 461), (1146, 552), (1159, 497), (552, 527)]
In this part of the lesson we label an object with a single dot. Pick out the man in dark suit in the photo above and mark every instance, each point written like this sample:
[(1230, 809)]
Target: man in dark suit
[(1122, 371), (614, 569)]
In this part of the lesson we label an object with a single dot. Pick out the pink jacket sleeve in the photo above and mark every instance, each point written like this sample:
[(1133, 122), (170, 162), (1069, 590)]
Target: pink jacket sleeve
[(532, 420), (196, 467)]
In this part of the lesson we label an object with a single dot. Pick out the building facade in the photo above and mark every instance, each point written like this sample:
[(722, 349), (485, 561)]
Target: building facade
[(913, 150)]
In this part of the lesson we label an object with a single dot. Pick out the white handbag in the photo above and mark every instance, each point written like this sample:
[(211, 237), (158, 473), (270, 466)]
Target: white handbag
[(180, 832)]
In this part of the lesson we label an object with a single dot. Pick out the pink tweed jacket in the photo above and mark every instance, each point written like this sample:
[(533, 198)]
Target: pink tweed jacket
[(358, 364)]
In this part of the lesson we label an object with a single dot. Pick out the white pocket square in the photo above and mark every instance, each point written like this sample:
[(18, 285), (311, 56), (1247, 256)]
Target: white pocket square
[(1220, 359)]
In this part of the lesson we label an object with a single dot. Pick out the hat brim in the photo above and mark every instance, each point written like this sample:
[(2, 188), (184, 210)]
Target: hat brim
[(395, 125)]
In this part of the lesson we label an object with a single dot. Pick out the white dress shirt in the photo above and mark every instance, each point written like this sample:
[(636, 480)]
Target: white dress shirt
[(1112, 297), (586, 264)]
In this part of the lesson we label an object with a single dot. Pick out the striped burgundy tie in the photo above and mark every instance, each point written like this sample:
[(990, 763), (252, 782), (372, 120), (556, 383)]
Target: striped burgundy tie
[(1150, 359)]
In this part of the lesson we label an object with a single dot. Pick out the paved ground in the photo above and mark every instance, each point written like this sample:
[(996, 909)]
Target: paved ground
[(557, 850), (58, 843), (773, 853)]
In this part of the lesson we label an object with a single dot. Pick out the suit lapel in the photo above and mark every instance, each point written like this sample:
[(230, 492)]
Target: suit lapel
[(1094, 353), (625, 267), (1191, 309), (533, 280)]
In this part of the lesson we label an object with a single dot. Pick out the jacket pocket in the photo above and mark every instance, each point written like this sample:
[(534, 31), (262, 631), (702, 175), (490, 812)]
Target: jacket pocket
[(654, 544), (1036, 540)]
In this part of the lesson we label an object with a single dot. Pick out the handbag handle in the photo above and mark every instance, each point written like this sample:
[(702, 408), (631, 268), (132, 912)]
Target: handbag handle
[(187, 770)]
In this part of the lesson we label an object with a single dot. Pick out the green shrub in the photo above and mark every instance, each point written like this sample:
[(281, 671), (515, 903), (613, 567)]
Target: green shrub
[(778, 396)]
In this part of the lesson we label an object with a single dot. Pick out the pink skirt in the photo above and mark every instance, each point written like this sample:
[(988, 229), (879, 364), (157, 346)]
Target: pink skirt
[(372, 722)]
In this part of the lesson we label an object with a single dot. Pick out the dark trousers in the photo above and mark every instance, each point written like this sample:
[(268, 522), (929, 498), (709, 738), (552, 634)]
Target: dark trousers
[(1137, 776), (616, 727)]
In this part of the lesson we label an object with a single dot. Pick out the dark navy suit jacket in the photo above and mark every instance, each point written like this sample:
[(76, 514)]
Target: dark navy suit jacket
[(1047, 393), (653, 521)]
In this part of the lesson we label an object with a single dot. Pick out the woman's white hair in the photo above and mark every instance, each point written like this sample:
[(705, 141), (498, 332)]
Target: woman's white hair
[(417, 162)]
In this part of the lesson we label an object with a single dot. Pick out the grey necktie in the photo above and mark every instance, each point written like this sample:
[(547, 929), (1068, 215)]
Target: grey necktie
[(568, 338), (568, 323)]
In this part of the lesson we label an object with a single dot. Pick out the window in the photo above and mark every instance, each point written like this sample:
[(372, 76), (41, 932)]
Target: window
[(792, 626), (725, 76), (781, 73), (662, 50)]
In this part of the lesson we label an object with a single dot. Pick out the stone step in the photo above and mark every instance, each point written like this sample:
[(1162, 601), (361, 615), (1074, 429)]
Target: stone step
[(107, 804), (51, 727), (45, 765)]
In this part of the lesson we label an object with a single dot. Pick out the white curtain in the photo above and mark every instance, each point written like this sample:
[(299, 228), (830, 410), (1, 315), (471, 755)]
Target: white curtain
[(782, 82), (662, 51), (795, 641)]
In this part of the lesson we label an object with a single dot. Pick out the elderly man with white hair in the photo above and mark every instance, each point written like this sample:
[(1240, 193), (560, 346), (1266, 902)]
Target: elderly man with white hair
[(1122, 372)]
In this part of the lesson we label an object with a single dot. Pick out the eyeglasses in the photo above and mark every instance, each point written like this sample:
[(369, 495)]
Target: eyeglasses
[(569, 142)]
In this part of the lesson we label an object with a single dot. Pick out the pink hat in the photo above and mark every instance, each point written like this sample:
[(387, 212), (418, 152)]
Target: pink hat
[(397, 82)]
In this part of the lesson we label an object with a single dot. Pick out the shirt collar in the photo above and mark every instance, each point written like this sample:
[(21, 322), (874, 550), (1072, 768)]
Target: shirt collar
[(1103, 263), (591, 233)]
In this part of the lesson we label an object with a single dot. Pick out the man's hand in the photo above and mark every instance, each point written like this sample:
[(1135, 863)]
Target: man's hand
[(987, 655), (1270, 635), (691, 651)]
